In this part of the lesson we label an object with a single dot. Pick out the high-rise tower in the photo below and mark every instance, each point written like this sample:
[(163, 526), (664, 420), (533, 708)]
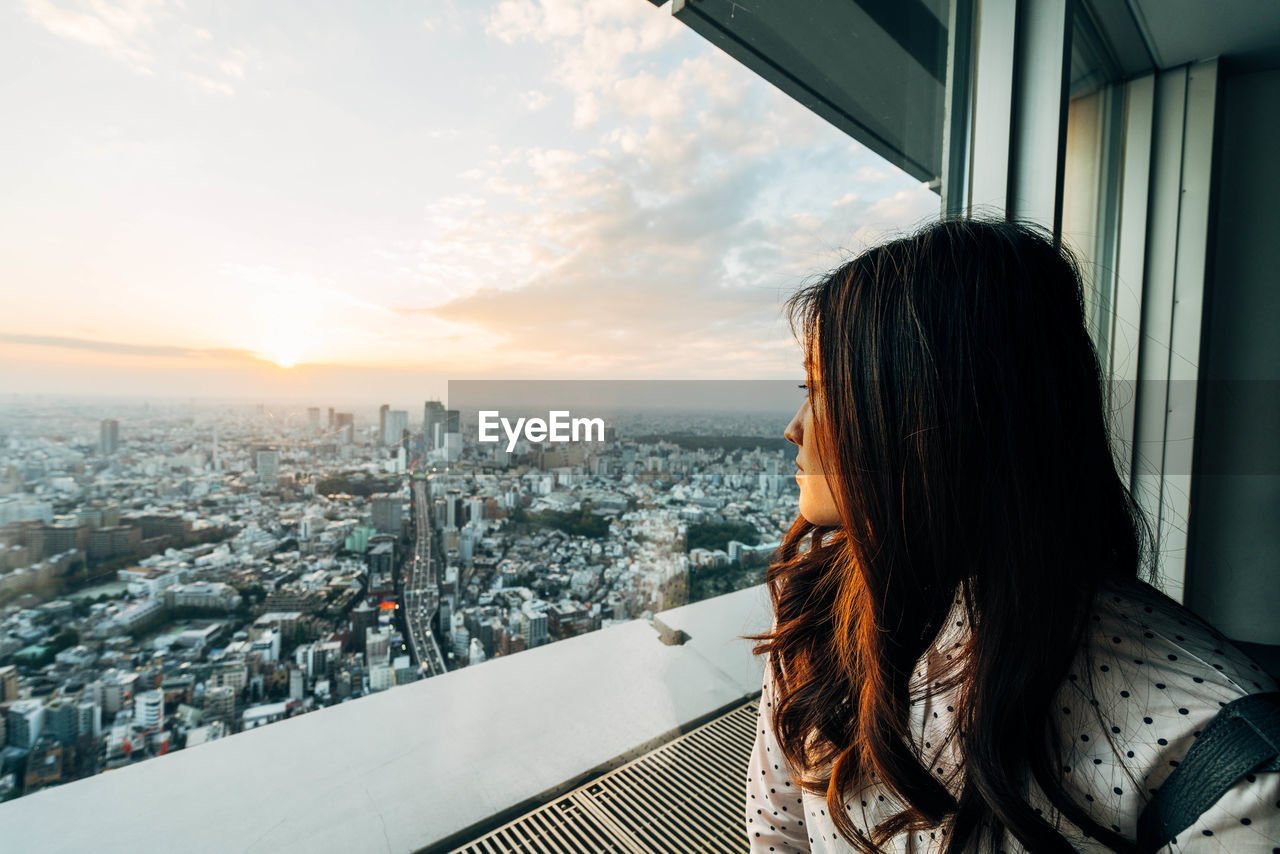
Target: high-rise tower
[(108, 436)]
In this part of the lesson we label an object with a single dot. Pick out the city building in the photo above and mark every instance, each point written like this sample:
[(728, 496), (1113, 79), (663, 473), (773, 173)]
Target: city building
[(381, 677), (381, 554), (1142, 138), (44, 766), (567, 618), (476, 653), (108, 436), (452, 435), (395, 425), (345, 424), (213, 595), (16, 508), (256, 716), (148, 709), (8, 683), (89, 719), (267, 645), (434, 421), (268, 466), (363, 618), (24, 723), (220, 704), (297, 684), (386, 512), (377, 647)]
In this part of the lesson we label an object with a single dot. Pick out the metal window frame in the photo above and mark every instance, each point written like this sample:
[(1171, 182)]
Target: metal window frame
[(992, 116), (1004, 139), (1129, 267), (1155, 179), (1177, 254), (957, 121), (1042, 80)]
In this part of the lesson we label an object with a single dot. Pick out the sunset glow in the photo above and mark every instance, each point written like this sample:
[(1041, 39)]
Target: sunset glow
[(554, 209)]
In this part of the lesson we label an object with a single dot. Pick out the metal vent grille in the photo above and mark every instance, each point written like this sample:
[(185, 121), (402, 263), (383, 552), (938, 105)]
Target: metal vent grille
[(685, 796)]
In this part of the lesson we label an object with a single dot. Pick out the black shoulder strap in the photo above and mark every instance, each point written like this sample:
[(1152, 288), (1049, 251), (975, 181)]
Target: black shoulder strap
[(1243, 737)]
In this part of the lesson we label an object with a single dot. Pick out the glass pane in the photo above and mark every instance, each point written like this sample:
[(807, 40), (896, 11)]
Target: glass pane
[(244, 254), (1090, 191)]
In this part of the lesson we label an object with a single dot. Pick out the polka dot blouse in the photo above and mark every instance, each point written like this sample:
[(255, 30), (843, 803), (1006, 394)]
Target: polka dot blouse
[(1159, 674)]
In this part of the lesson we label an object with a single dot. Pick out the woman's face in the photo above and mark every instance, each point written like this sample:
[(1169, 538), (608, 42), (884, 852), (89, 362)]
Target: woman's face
[(817, 505)]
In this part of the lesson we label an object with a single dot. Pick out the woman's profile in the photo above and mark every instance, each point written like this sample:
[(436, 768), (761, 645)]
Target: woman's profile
[(966, 653)]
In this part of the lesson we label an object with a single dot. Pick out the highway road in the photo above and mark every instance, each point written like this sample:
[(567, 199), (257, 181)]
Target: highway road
[(421, 597)]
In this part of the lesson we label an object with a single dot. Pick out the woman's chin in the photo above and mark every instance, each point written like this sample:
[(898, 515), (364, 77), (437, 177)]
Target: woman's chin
[(819, 516)]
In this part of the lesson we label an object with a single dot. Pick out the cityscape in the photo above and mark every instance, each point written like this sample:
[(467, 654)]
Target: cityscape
[(233, 236), (176, 573)]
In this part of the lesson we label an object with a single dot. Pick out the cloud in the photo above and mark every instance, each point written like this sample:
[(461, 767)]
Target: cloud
[(586, 110), (657, 238), (232, 67), (121, 349), (135, 33), (514, 20), (116, 27), (445, 16), (888, 216), (600, 273), (208, 84), (535, 100), (593, 276), (592, 41), (667, 244)]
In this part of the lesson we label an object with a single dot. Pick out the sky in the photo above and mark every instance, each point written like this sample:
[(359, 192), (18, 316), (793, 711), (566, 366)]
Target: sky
[(359, 201)]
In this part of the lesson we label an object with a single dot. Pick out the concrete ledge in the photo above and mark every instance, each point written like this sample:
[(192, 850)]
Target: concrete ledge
[(405, 769)]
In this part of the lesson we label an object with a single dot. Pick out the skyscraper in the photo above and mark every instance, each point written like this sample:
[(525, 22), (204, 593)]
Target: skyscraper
[(313, 419), (363, 617), (394, 423), (108, 436), (433, 414), (345, 423), (453, 509), (382, 422), (452, 434)]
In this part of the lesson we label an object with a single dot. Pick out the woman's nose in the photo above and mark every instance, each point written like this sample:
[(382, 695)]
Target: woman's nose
[(795, 430)]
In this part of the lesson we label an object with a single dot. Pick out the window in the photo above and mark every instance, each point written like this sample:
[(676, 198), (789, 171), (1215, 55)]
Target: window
[(247, 252)]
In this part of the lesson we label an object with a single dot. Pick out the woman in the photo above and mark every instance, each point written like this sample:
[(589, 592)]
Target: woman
[(963, 655)]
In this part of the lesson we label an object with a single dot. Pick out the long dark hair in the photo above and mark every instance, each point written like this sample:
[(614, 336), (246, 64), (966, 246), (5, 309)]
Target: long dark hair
[(959, 408)]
